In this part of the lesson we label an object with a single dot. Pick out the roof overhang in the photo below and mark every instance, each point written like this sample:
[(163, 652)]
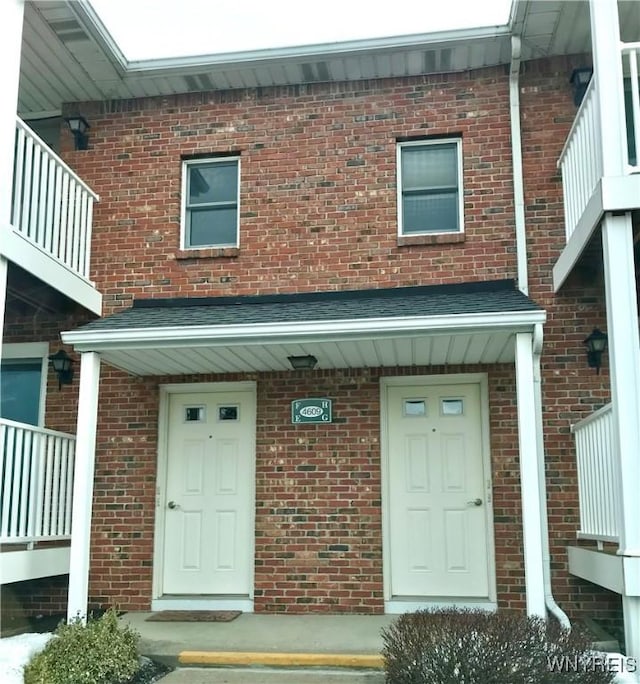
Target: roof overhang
[(68, 55), (357, 343)]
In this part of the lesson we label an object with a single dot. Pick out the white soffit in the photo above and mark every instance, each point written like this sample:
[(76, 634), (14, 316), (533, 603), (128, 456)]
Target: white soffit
[(472, 339)]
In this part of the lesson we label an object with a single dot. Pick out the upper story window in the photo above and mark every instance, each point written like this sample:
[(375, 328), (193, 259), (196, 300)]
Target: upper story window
[(210, 192), (430, 197)]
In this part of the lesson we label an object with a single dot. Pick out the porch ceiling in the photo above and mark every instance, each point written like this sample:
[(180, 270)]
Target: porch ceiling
[(483, 346), (469, 323)]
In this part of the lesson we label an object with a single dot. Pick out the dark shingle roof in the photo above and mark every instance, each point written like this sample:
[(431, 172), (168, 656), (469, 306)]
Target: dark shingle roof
[(431, 300)]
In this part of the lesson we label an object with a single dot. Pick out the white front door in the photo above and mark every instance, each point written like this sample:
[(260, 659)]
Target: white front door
[(208, 543), (437, 517)]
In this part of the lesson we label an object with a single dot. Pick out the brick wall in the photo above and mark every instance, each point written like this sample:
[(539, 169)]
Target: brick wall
[(33, 598), (318, 491), (318, 186), (571, 390), (61, 405), (318, 212)]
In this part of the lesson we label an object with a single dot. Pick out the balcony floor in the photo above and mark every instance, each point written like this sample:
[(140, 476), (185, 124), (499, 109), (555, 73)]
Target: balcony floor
[(19, 563), (36, 262)]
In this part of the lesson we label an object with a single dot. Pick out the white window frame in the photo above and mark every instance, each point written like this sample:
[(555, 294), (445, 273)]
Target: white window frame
[(426, 143), (31, 350), (186, 165)]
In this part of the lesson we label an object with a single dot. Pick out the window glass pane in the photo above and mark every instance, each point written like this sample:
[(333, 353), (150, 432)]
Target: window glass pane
[(20, 390), (431, 166), (216, 182), (214, 226), (628, 113), (415, 408), (430, 213)]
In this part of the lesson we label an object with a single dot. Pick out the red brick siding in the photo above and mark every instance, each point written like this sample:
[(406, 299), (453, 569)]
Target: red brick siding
[(61, 405), (318, 212), (570, 390), (33, 598), (318, 186), (318, 492)]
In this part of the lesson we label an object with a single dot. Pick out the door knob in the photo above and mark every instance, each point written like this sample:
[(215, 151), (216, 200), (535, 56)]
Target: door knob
[(172, 505), (474, 502)]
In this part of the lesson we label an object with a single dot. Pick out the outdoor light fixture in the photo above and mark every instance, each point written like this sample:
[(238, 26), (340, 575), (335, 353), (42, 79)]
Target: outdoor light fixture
[(78, 126), (62, 364), (579, 82), (307, 362), (596, 343)]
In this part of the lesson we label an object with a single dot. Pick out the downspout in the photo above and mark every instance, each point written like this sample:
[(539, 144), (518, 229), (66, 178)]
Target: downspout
[(523, 286), (516, 155), (549, 600)]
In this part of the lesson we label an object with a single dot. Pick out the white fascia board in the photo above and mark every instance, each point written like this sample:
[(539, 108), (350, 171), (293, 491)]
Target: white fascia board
[(308, 331), (89, 19)]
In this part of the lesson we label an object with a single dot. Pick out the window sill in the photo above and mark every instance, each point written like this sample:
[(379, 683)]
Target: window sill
[(207, 253), (440, 239)]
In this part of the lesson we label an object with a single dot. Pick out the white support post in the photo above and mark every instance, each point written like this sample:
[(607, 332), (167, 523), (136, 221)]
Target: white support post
[(624, 368), (529, 476), (3, 296), (631, 611), (11, 18), (607, 67), (83, 485)]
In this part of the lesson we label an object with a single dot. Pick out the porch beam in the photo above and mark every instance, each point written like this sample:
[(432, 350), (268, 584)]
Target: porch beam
[(83, 485), (528, 439)]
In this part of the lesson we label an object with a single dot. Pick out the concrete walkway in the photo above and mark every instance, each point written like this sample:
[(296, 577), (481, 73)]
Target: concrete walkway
[(267, 649), (194, 675)]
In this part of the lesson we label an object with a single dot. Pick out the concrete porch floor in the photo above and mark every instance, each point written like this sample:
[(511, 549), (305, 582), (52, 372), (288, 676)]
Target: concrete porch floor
[(265, 640)]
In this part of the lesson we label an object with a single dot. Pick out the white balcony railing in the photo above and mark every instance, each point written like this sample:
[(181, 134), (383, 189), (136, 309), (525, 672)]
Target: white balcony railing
[(52, 207), (37, 483), (598, 486), (581, 159)]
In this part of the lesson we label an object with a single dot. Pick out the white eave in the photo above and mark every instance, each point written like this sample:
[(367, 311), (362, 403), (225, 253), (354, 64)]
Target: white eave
[(69, 56), (371, 342)]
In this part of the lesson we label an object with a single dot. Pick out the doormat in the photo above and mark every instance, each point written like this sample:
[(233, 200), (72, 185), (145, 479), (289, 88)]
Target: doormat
[(194, 616)]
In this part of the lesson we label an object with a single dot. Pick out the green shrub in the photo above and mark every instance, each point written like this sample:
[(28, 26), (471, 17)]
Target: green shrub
[(459, 646), (100, 652)]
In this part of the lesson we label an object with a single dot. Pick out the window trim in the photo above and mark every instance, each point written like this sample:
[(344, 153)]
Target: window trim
[(22, 351), (186, 165), (425, 143)]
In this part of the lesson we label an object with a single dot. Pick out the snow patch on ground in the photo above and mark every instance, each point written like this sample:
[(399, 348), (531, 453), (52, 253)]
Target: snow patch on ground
[(15, 653)]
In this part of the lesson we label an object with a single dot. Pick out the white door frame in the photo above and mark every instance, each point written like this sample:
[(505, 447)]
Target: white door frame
[(481, 379), (159, 602)]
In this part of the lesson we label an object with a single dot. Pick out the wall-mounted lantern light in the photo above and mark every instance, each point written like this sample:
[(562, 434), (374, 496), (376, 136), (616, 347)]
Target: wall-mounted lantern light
[(62, 364), (596, 343), (307, 362), (78, 126), (579, 80)]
